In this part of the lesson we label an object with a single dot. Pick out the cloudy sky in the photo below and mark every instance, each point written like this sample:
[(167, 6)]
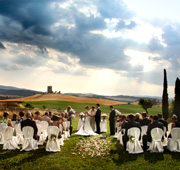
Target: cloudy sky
[(106, 47)]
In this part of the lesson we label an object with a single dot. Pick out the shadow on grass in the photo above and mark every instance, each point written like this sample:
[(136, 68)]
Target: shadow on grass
[(153, 157)]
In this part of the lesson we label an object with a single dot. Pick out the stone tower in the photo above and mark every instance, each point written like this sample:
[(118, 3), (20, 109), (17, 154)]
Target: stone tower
[(49, 89)]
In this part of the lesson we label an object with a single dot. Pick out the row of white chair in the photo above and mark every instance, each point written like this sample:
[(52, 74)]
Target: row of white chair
[(25, 137)]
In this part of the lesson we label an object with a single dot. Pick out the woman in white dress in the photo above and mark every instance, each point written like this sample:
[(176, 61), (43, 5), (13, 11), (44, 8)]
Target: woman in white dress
[(86, 129)]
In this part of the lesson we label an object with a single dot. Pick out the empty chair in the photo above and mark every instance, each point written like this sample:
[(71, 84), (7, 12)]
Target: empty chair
[(156, 145), (165, 138), (68, 128), (10, 141), (65, 132), (133, 145), (44, 126), (120, 136), (169, 128), (29, 142), (40, 141), (19, 134), (53, 143), (174, 142)]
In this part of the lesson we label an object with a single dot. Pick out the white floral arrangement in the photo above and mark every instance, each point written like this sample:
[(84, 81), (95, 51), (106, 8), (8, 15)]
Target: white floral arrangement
[(73, 116), (118, 113), (82, 115)]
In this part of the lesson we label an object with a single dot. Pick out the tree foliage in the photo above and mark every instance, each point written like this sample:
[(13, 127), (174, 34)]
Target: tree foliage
[(165, 103), (177, 99), (145, 104)]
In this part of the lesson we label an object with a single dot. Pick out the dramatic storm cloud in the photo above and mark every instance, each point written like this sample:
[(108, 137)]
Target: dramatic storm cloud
[(86, 39)]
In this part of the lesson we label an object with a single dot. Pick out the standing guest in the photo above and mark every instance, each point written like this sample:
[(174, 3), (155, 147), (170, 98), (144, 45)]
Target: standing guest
[(162, 121), (6, 119), (98, 118), (137, 117), (130, 124), (14, 118), (46, 117), (37, 115), (21, 117), (147, 137), (112, 120), (32, 123), (68, 115), (145, 121)]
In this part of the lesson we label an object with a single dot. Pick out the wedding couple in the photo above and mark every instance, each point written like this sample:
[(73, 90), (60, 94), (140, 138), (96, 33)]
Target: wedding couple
[(88, 127)]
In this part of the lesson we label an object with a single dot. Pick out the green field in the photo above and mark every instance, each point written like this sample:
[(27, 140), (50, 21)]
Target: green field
[(118, 159), (79, 107)]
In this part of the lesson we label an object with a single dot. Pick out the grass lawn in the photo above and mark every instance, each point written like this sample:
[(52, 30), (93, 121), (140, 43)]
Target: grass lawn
[(118, 159), (79, 107)]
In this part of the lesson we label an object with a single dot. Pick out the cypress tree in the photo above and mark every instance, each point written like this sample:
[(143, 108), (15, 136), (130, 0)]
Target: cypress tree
[(177, 99), (165, 104)]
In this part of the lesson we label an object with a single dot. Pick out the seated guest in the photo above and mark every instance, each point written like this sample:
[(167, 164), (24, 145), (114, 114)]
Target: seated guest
[(151, 118), (29, 122), (162, 121), (130, 124), (122, 121), (21, 117), (55, 121), (63, 117), (147, 137), (137, 117), (6, 119), (14, 118), (175, 124), (37, 115), (46, 117), (145, 121)]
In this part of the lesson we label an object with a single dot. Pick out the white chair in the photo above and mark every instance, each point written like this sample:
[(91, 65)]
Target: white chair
[(62, 136), (2, 128), (174, 142), (117, 132), (68, 128), (169, 128), (65, 132), (120, 136), (29, 142), (37, 121), (13, 123), (39, 133), (19, 134), (53, 143), (143, 132), (10, 141), (165, 138), (156, 145), (133, 145), (103, 126)]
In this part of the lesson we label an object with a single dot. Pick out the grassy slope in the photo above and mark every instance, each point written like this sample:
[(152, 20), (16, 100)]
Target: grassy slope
[(64, 160), (79, 107)]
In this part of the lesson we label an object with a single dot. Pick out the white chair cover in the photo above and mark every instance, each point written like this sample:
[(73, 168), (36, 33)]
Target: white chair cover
[(169, 128), (156, 145), (120, 135), (37, 121), (3, 126), (143, 132), (29, 142), (174, 142), (65, 132), (62, 136), (39, 133), (117, 132), (10, 141), (53, 144), (134, 146), (165, 138), (19, 134), (68, 128), (13, 123), (103, 126)]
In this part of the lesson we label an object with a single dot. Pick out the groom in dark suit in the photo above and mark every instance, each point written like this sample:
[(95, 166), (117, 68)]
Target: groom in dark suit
[(98, 118)]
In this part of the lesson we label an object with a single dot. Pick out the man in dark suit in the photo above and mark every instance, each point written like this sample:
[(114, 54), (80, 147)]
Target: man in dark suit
[(112, 120), (145, 121), (147, 137), (98, 118), (130, 124), (163, 121), (29, 122)]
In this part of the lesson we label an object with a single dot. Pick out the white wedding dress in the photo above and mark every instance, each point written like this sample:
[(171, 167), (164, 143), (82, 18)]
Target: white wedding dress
[(86, 129)]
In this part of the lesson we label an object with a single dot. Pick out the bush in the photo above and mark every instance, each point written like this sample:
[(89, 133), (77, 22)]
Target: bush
[(28, 105)]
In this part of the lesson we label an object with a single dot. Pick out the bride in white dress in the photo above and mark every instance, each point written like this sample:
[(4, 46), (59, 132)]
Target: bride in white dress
[(86, 129)]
